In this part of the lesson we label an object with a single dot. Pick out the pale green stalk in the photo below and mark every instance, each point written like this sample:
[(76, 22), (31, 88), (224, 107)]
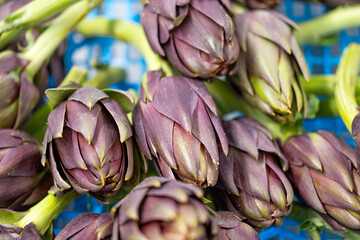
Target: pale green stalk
[(129, 32), (44, 212), (28, 16), (313, 31), (49, 40), (346, 76)]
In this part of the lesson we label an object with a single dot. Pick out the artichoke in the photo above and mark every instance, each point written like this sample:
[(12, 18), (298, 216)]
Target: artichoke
[(254, 4), (19, 96), (256, 186), (196, 36), (177, 125), (29, 232), (89, 226), (324, 170), (232, 228), (160, 208), (89, 143), (271, 65), (21, 171)]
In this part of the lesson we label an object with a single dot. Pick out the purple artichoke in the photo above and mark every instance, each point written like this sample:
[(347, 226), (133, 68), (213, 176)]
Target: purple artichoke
[(160, 208), (19, 96), (257, 187), (89, 226), (29, 232), (232, 228), (254, 4), (23, 181), (271, 65), (196, 36), (177, 125), (89, 143), (324, 170)]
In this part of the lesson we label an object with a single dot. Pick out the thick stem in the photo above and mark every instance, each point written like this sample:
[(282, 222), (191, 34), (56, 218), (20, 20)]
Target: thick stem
[(106, 77), (334, 21), (324, 85), (132, 33), (48, 41), (310, 218), (29, 16), (346, 76), (44, 212)]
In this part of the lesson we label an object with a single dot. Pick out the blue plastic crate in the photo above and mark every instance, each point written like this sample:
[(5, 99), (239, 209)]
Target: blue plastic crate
[(321, 60)]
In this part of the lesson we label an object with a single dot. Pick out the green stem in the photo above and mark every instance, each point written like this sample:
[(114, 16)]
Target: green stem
[(324, 85), (29, 16), (60, 27), (227, 102), (44, 212), (311, 219), (132, 33), (346, 77), (334, 21), (106, 77)]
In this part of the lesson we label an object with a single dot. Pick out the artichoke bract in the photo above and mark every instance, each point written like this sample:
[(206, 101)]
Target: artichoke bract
[(232, 228), (258, 4), (196, 36), (29, 232), (160, 208), (89, 143), (256, 186), (324, 171), (177, 125), (19, 96), (23, 180), (89, 226), (270, 65)]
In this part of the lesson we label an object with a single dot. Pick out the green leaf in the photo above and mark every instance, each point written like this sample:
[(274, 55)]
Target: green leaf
[(58, 95), (126, 99), (10, 217)]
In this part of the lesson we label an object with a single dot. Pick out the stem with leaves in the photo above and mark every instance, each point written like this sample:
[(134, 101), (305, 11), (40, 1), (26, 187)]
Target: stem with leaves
[(313, 221)]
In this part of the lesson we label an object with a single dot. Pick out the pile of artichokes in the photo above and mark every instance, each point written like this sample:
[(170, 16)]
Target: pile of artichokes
[(210, 147)]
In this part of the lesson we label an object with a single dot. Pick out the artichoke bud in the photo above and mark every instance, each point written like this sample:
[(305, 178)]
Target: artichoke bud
[(21, 171), (89, 140), (88, 226), (19, 95), (160, 208), (177, 125), (324, 171), (199, 43), (231, 227), (271, 65), (255, 185)]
